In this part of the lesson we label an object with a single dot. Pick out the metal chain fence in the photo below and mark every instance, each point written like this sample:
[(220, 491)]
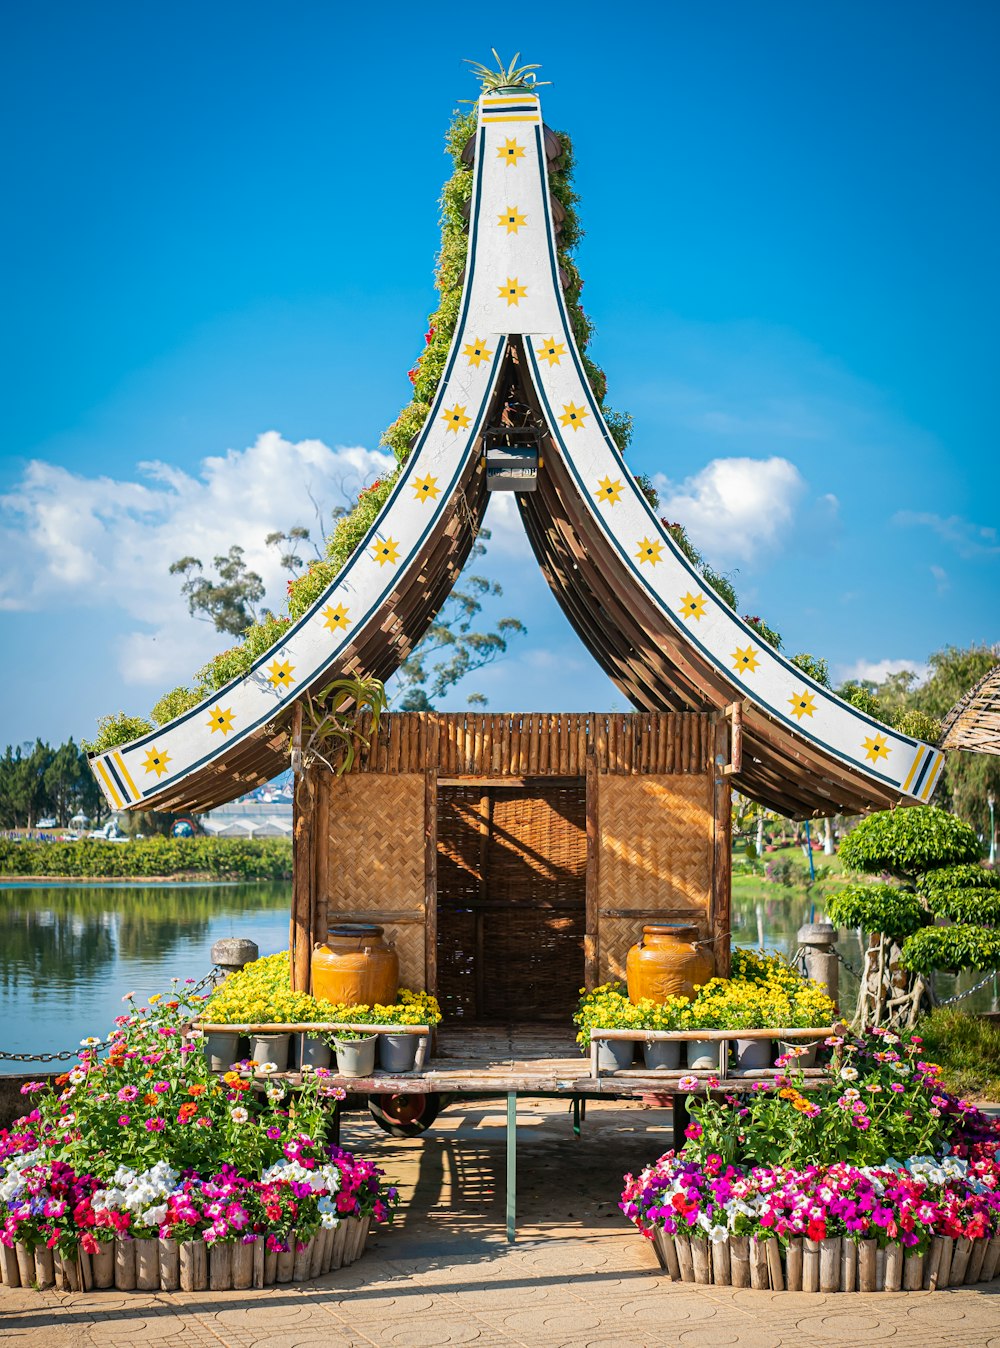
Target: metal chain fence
[(67, 1054)]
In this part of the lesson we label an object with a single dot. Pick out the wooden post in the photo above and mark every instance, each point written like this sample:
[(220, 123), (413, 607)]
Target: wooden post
[(722, 840), (701, 1260), (684, 1260), (739, 1260), (591, 951), (430, 875), (793, 1264)]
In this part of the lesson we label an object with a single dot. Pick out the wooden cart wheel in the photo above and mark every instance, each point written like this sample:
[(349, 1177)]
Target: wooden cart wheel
[(405, 1115)]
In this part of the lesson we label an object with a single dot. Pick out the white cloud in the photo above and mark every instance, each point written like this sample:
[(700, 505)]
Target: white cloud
[(968, 539), (68, 539), (942, 583), (877, 670), (735, 508)]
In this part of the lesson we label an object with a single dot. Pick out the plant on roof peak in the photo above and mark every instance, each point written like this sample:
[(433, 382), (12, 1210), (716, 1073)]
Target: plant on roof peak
[(506, 78)]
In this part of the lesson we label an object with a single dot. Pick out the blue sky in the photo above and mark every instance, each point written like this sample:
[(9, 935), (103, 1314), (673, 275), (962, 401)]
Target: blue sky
[(219, 247)]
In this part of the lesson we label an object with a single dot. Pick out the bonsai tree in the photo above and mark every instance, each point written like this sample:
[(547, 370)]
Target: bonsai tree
[(936, 907)]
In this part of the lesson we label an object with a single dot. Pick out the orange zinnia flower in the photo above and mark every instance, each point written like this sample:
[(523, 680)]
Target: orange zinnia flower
[(150, 1099), (788, 1094), (196, 1090), (186, 1111)]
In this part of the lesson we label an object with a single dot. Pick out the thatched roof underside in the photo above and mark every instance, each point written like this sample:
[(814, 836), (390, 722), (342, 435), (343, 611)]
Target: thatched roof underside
[(973, 724)]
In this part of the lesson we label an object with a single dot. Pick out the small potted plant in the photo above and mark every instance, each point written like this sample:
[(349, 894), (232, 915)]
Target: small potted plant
[(808, 1007), (663, 1055), (397, 1052), (608, 1008), (355, 1052)]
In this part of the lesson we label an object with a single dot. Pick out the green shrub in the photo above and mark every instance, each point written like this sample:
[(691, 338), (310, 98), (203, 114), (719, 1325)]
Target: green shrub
[(118, 728), (963, 945), (879, 907), (909, 841), (220, 858), (174, 703)]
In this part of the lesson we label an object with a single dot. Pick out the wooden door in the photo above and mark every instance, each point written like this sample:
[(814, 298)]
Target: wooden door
[(511, 903)]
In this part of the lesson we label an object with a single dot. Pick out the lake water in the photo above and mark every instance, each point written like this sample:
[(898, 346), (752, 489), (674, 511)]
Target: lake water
[(70, 953)]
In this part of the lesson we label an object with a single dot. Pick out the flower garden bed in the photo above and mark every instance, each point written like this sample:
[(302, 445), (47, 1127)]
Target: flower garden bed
[(257, 1001), (146, 1170), (776, 1190), (765, 1001)]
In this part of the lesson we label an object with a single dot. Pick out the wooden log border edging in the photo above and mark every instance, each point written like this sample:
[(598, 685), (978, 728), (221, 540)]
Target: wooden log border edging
[(125, 1264), (832, 1265)]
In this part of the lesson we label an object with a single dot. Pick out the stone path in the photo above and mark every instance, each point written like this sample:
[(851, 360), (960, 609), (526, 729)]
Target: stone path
[(578, 1276)]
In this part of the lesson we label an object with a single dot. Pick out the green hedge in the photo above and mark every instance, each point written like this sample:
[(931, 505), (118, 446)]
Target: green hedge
[(220, 858)]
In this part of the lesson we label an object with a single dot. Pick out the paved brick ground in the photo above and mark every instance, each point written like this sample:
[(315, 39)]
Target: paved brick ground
[(577, 1277)]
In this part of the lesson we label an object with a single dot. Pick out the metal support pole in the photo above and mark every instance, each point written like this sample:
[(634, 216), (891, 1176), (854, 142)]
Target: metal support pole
[(576, 1115), (511, 1166)]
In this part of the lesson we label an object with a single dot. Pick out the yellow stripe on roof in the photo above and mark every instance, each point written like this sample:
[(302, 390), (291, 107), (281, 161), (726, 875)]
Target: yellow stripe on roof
[(120, 765), (926, 793), (112, 789), (511, 117), (506, 101), (918, 759)]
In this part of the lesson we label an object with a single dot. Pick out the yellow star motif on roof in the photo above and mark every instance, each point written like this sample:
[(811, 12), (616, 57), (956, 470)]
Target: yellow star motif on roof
[(510, 152), (513, 219), (280, 674), (609, 491), (513, 292), (426, 488), (745, 660), (386, 550), (336, 618), (156, 760), (875, 747), (455, 418), (572, 415), (551, 350), (693, 606), (477, 352), (220, 719), (802, 704), (650, 550)]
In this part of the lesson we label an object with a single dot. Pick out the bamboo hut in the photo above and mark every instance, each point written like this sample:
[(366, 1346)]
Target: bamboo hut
[(513, 857)]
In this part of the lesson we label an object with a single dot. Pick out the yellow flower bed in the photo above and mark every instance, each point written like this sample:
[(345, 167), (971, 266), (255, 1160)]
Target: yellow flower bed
[(259, 994), (764, 992)]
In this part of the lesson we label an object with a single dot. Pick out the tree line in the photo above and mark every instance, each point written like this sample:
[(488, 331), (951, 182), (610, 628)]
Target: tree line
[(38, 781)]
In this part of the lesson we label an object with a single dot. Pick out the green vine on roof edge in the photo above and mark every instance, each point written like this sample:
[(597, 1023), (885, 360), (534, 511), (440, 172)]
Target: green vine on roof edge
[(350, 530)]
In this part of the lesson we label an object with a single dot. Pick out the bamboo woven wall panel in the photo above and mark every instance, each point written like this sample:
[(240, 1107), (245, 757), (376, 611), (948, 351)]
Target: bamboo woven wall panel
[(655, 840), (536, 744), (375, 845), (511, 899)]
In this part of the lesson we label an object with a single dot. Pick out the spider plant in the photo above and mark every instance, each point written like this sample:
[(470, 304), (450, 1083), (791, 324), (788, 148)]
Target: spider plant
[(506, 77)]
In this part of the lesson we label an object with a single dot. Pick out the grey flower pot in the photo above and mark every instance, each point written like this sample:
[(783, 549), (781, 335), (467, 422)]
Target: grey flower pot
[(270, 1048), (356, 1057), (397, 1052), (221, 1050), (615, 1055), (702, 1054), (660, 1055), (315, 1052)]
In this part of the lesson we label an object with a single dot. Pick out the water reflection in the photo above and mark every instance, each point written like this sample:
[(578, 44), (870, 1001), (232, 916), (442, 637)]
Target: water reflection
[(770, 915), (69, 953)]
